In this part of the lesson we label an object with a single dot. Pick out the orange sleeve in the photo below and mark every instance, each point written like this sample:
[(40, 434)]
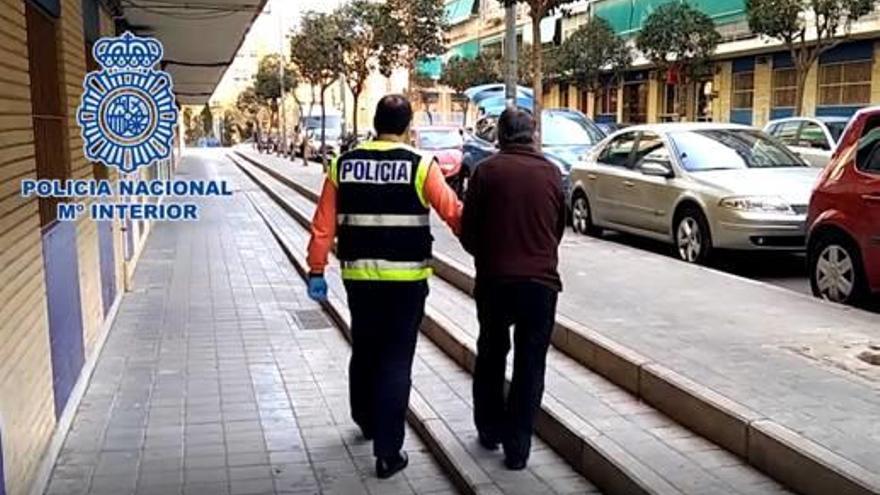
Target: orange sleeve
[(323, 229), (443, 199)]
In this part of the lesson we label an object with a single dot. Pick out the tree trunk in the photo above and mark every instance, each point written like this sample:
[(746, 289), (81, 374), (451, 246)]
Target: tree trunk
[(801, 83), (537, 73), (464, 113), (323, 128), (355, 97)]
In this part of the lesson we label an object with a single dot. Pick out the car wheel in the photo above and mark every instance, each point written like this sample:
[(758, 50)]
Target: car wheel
[(836, 272), (693, 242), (582, 216)]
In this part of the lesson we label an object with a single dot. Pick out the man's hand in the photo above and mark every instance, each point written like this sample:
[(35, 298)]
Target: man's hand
[(317, 287)]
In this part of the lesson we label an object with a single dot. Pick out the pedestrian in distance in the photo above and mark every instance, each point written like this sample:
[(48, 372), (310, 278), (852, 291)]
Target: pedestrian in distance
[(376, 202), (512, 224)]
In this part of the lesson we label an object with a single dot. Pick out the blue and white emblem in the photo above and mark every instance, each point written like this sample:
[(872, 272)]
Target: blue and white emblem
[(128, 114)]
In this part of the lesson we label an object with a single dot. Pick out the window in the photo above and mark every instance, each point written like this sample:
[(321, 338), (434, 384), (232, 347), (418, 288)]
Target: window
[(670, 98), (635, 103), (651, 147), (743, 90), (568, 129), (563, 95), (731, 149), (846, 83), (487, 129), (784, 87), (813, 136), (48, 110), (868, 155), (606, 101), (787, 132), (618, 151)]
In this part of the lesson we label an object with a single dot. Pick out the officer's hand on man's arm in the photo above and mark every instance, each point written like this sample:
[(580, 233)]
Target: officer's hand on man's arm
[(442, 198)]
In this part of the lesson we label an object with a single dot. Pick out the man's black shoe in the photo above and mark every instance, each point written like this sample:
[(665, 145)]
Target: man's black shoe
[(514, 463), (367, 434), (389, 466), (489, 442)]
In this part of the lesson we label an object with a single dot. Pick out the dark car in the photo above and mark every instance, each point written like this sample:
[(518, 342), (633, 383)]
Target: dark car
[(567, 135), (843, 247)]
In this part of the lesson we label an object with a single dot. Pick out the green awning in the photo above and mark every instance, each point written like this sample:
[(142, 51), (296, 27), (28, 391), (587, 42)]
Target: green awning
[(627, 16), (468, 49), (458, 11), (431, 67)]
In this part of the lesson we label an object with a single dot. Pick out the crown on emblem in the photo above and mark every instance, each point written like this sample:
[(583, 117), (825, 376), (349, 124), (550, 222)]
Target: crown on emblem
[(128, 52)]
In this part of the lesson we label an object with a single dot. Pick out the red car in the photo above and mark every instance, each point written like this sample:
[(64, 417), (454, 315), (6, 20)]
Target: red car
[(445, 143), (843, 246)]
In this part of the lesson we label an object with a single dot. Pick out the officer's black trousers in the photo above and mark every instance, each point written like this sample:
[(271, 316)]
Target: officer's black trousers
[(530, 308), (385, 319)]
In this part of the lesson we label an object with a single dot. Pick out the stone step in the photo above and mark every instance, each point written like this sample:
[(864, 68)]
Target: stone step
[(786, 455), (440, 405)]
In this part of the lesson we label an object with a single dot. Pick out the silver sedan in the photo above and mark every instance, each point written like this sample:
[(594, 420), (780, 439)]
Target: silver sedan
[(697, 186)]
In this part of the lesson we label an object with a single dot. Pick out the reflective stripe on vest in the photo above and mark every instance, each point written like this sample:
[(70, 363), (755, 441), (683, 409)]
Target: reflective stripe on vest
[(359, 220), (393, 271)]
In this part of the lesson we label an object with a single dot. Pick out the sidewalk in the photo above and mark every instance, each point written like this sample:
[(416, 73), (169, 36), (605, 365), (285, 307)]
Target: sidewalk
[(220, 377), (786, 357)]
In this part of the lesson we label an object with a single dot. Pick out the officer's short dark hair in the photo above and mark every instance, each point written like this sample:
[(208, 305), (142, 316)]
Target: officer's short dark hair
[(393, 115), (516, 126)]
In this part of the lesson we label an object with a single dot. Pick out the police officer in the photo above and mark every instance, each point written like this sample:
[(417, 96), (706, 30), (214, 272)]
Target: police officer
[(376, 200)]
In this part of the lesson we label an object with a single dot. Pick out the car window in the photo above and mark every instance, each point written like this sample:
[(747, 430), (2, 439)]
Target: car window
[(730, 149), (650, 147), (787, 132), (487, 129), (566, 129), (618, 151), (836, 129), (868, 155), (813, 136)]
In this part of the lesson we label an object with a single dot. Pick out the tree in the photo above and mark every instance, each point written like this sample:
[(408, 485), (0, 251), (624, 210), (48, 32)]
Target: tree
[(538, 9), (679, 40), (248, 104), (419, 33), (462, 73), (317, 50), (235, 127), (370, 44), (808, 28), (592, 52), (207, 119), (267, 82)]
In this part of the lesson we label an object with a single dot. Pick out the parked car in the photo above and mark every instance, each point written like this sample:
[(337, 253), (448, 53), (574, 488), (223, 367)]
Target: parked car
[(843, 248), (609, 128), (445, 143), (567, 135), (697, 186), (813, 138)]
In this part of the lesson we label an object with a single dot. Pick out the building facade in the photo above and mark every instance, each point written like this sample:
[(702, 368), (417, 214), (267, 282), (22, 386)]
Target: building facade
[(61, 281), (751, 79)]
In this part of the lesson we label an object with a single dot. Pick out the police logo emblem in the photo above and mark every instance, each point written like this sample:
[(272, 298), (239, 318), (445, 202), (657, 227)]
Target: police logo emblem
[(127, 114)]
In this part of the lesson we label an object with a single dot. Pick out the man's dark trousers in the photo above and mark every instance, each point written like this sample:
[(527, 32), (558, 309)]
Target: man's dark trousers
[(530, 307), (385, 319)]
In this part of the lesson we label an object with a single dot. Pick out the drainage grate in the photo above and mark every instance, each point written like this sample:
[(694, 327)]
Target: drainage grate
[(312, 319)]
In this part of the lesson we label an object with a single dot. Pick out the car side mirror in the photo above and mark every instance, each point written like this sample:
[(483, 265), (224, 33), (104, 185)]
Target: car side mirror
[(657, 168)]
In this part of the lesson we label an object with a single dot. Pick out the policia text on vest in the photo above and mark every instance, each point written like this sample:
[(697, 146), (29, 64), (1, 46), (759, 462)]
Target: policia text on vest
[(375, 172)]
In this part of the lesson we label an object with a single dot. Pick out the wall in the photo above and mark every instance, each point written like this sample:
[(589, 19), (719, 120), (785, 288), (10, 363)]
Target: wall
[(27, 410)]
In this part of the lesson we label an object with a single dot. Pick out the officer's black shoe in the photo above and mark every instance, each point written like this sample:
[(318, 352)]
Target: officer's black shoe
[(387, 467), (515, 463), (488, 442)]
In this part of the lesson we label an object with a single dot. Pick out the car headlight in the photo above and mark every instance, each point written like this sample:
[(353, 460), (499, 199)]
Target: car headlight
[(762, 204)]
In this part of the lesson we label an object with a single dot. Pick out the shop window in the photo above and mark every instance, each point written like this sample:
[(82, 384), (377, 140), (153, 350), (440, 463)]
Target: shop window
[(563, 95), (847, 83), (784, 88), (635, 103), (743, 90), (606, 101), (48, 115), (670, 97)]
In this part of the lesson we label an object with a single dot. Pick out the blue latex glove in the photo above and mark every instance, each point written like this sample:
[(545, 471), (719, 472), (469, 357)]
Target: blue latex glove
[(317, 288)]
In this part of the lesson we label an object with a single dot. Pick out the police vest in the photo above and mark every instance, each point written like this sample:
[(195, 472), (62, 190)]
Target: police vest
[(383, 222)]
